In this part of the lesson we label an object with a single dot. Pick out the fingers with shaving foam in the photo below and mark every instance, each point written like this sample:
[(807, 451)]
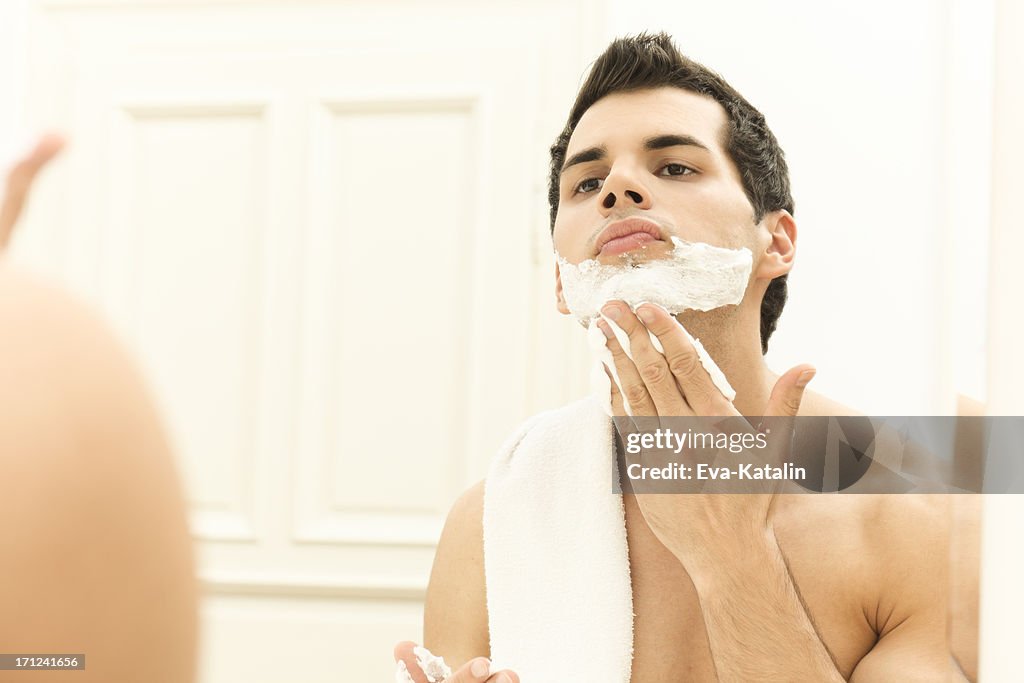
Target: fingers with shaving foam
[(465, 675), (402, 673), (716, 374), (605, 366), (476, 670), (684, 363), (417, 664), (620, 336), (631, 385), (616, 398), (481, 670), (623, 338), (407, 667), (650, 364), (599, 347), (656, 343), (624, 423)]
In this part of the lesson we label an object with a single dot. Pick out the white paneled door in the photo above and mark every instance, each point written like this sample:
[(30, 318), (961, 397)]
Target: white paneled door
[(322, 228)]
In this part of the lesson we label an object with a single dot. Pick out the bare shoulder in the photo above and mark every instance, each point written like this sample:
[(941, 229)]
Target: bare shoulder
[(914, 559), (894, 533), (912, 535), (100, 517), (868, 566), (819, 405), (455, 614)]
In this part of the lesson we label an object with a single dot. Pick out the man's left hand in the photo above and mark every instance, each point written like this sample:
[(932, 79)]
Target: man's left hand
[(702, 530)]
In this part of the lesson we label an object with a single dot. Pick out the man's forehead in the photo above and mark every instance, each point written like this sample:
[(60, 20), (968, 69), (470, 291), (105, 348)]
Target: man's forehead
[(629, 118)]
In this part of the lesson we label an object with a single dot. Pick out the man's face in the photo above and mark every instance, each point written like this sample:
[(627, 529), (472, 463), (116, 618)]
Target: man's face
[(657, 156)]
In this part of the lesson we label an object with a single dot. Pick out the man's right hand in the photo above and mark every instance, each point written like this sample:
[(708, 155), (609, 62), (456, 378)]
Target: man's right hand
[(477, 670)]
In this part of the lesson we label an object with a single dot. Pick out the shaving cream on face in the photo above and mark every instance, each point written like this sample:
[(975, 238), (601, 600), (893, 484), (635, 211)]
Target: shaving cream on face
[(694, 276)]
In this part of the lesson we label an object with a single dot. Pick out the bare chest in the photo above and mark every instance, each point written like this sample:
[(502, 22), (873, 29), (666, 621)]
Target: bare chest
[(670, 641)]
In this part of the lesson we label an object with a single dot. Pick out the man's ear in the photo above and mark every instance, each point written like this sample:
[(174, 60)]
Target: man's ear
[(559, 296), (781, 250)]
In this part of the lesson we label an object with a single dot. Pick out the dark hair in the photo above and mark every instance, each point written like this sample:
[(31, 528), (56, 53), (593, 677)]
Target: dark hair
[(653, 61)]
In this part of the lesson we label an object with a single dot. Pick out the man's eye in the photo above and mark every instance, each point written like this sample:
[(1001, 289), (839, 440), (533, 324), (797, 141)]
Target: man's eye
[(589, 185), (676, 169)]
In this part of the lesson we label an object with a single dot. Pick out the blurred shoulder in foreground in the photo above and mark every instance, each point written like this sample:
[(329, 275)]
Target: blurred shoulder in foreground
[(95, 556)]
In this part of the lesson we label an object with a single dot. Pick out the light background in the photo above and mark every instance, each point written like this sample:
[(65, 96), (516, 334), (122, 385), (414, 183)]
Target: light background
[(890, 114)]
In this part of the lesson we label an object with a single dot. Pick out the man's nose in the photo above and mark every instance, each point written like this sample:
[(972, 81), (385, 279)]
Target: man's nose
[(622, 190)]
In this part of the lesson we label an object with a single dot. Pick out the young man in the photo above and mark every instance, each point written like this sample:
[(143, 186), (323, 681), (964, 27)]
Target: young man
[(722, 587)]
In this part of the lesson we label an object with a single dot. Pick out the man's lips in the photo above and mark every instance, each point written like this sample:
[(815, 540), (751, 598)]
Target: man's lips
[(626, 235), (621, 245)]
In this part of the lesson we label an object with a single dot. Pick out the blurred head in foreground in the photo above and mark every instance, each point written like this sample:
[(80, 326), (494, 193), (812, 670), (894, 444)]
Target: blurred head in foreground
[(96, 557)]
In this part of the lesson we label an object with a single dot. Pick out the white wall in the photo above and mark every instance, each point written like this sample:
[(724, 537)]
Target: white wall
[(13, 76)]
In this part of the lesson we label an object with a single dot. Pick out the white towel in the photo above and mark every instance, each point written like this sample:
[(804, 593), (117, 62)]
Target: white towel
[(559, 596)]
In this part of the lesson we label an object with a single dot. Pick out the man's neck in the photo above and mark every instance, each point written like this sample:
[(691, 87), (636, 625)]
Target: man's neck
[(734, 344)]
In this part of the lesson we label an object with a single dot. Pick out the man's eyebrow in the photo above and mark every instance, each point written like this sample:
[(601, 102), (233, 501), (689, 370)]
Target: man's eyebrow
[(650, 144), (589, 154), (673, 140)]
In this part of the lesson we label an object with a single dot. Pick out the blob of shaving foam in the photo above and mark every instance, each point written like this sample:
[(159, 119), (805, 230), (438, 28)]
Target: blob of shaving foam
[(433, 667), (694, 276), (402, 674)]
